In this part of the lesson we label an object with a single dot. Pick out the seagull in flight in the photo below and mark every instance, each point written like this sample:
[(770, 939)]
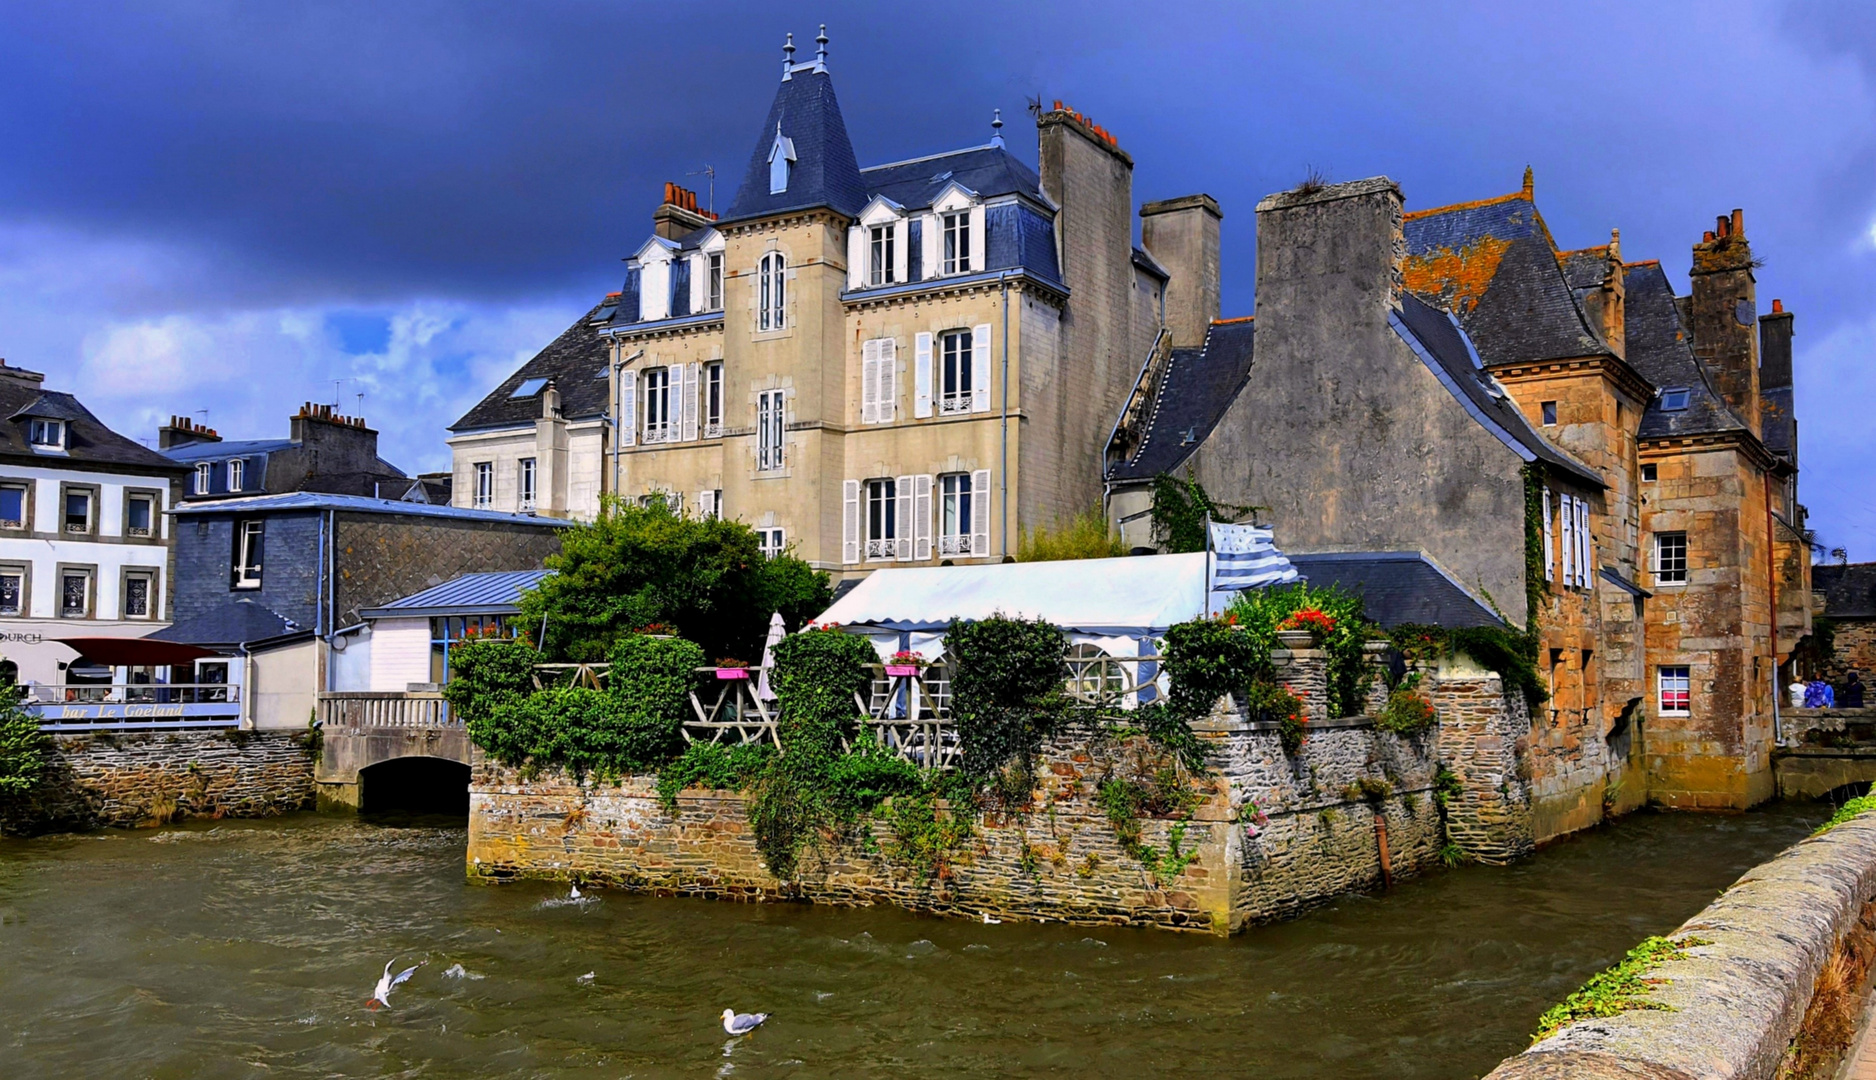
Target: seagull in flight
[(381, 996), (742, 1023)]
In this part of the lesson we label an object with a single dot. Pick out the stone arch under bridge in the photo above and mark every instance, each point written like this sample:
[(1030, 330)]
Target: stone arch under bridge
[(391, 752)]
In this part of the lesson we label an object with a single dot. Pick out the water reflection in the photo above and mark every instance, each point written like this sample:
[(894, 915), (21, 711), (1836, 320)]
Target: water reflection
[(242, 949)]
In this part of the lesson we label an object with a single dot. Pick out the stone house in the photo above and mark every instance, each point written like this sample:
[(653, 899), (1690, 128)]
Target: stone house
[(1555, 429), (324, 451), (1845, 593), (906, 363)]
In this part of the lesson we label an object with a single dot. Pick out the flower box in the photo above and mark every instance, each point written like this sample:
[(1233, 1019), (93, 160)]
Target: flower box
[(901, 671), (732, 673)]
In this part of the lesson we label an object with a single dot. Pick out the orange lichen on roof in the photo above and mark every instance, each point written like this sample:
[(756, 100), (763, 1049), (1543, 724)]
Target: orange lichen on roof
[(1474, 204), (1458, 278), (1642, 262), (1234, 319), (1602, 250)]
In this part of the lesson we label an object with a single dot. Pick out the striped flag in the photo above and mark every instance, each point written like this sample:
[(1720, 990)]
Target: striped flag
[(1245, 557)]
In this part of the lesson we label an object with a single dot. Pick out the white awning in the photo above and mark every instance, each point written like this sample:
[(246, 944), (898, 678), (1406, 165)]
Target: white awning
[(1140, 594)]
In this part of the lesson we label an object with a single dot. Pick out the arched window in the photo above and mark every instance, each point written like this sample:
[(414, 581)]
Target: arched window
[(772, 292)]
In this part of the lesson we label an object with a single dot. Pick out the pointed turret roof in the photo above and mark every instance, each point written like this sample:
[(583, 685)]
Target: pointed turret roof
[(805, 118)]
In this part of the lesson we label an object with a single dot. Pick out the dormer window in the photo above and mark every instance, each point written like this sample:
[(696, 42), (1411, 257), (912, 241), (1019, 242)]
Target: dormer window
[(879, 258), (47, 434), (781, 162), (957, 242), (1674, 399), (204, 471), (713, 281)]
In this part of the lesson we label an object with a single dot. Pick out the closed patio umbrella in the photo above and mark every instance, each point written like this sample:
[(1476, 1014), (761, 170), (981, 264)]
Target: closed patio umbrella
[(777, 631)]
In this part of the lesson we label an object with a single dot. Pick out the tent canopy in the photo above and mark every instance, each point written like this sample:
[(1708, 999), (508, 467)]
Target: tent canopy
[(1139, 594)]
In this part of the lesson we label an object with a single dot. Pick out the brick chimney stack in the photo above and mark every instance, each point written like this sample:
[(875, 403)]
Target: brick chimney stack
[(182, 431), (678, 214), (1723, 314), (1182, 235)]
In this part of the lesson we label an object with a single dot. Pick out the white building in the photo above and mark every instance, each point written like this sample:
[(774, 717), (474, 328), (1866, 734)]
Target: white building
[(84, 536)]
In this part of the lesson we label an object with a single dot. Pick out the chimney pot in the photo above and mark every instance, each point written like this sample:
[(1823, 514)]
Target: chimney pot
[(1739, 222), (1707, 237), (1778, 307)]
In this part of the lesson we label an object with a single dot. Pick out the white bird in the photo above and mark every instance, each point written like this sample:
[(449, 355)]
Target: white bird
[(388, 982), (742, 1023), (988, 921), (575, 894)]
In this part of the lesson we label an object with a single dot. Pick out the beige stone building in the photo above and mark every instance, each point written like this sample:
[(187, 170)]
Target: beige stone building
[(906, 363)]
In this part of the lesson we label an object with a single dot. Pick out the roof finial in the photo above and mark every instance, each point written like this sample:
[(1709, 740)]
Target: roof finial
[(788, 58), (996, 127), (820, 53), (1530, 182), (1615, 244)]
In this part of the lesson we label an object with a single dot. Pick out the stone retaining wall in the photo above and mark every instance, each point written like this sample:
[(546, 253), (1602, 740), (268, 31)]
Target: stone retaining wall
[(1733, 1006), (139, 778)]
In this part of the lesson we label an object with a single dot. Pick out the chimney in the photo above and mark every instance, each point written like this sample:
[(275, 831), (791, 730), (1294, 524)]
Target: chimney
[(1775, 348), (1722, 316), (1328, 256), (1607, 304), (678, 214), (344, 444), (182, 431), (1182, 235), (20, 374)]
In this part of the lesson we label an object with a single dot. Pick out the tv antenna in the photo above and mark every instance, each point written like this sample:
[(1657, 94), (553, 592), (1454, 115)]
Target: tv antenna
[(710, 172)]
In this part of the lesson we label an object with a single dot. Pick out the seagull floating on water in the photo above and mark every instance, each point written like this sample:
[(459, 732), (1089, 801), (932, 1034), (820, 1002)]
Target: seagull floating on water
[(381, 995), (742, 1023), (988, 921), (575, 894)]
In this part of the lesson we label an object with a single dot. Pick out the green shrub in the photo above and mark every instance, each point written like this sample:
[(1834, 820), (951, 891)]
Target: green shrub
[(485, 675), (25, 751), (652, 677), (1180, 510), (1619, 989), (1266, 701), (1006, 689), (1209, 658), (1084, 536), (712, 766), (1407, 712), (858, 781), (924, 837), (1260, 611), (1511, 654)]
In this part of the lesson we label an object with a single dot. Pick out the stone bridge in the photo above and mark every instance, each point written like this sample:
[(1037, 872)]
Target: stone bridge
[(390, 751), (1829, 753)]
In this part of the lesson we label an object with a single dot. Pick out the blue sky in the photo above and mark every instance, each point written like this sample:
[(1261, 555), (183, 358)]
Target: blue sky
[(239, 207)]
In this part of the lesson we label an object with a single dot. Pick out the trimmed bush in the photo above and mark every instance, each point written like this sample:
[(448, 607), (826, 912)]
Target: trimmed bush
[(25, 751), (1006, 689), (485, 675), (858, 781)]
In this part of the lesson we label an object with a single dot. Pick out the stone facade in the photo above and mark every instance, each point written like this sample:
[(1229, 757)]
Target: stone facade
[(148, 778)]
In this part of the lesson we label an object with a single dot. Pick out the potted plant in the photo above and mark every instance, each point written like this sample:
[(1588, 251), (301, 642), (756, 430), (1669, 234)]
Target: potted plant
[(657, 630), (904, 664), (1305, 628), (732, 669)]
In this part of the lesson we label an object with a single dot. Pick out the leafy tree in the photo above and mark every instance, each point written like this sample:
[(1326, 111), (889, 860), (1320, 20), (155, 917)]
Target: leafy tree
[(635, 566), (25, 751)]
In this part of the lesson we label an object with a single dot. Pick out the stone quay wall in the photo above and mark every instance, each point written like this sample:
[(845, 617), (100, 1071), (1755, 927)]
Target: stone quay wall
[(1735, 1005), (1484, 739), (151, 777)]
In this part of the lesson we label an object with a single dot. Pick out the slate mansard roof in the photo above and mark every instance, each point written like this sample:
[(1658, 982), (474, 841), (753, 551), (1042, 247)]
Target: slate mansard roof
[(1196, 388), (806, 113), (988, 170), (575, 361), (1849, 589), (235, 623), (87, 440)]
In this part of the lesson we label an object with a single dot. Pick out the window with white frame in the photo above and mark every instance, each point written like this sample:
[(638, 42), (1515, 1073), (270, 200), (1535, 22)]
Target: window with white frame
[(237, 474), (13, 501), (879, 254), (882, 519), (46, 434), (710, 503), (772, 292), (1670, 558), (1675, 691), (657, 394), (524, 482), (204, 475), (713, 400), (139, 515), (485, 485), (771, 542), (954, 514), (956, 258), (769, 429), (12, 590), (74, 593), (247, 554), (77, 516), (139, 594), (713, 281), (955, 383)]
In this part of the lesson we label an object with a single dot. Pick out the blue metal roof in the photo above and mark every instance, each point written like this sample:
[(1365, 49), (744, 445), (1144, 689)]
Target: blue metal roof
[(497, 593), (359, 504)]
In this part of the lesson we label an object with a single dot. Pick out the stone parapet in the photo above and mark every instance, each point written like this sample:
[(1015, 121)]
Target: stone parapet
[(1305, 673), (1480, 729)]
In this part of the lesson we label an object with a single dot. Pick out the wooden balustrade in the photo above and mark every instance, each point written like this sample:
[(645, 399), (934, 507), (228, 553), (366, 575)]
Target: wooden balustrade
[(385, 710)]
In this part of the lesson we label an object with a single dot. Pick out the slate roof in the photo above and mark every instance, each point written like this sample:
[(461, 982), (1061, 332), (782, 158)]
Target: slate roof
[(497, 593), (1398, 587), (806, 112), (1196, 388), (1494, 265), (575, 361), (215, 451), (1849, 589), (1661, 350), (87, 441), (236, 622), (989, 171), (1440, 342), (357, 504)]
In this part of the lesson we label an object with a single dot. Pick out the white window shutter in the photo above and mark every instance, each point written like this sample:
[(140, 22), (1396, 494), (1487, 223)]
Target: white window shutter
[(977, 239), (980, 514), (691, 373), (921, 517), (901, 257), (932, 242), (673, 402), (902, 532), (980, 368), (856, 256), (869, 382), (706, 503), (886, 403), (699, 269), (628, 408), (1568, 528), (1586, 565), (850, 521), (1549, 558), (921, 377)]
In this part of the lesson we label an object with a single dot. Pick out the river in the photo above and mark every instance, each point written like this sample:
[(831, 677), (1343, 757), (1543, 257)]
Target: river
[(248, 949)]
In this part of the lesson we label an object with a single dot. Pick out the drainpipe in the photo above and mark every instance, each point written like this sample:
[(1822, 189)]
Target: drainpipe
[(331, 614), (1003, 474), (617, 367), (1771, 595), (246, 711)]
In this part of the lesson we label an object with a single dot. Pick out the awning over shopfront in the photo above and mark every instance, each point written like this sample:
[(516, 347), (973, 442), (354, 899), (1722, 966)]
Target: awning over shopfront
[(135, 652)]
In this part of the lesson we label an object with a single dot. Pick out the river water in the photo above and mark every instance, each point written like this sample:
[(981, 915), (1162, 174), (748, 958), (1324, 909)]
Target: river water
[(248, 949)]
